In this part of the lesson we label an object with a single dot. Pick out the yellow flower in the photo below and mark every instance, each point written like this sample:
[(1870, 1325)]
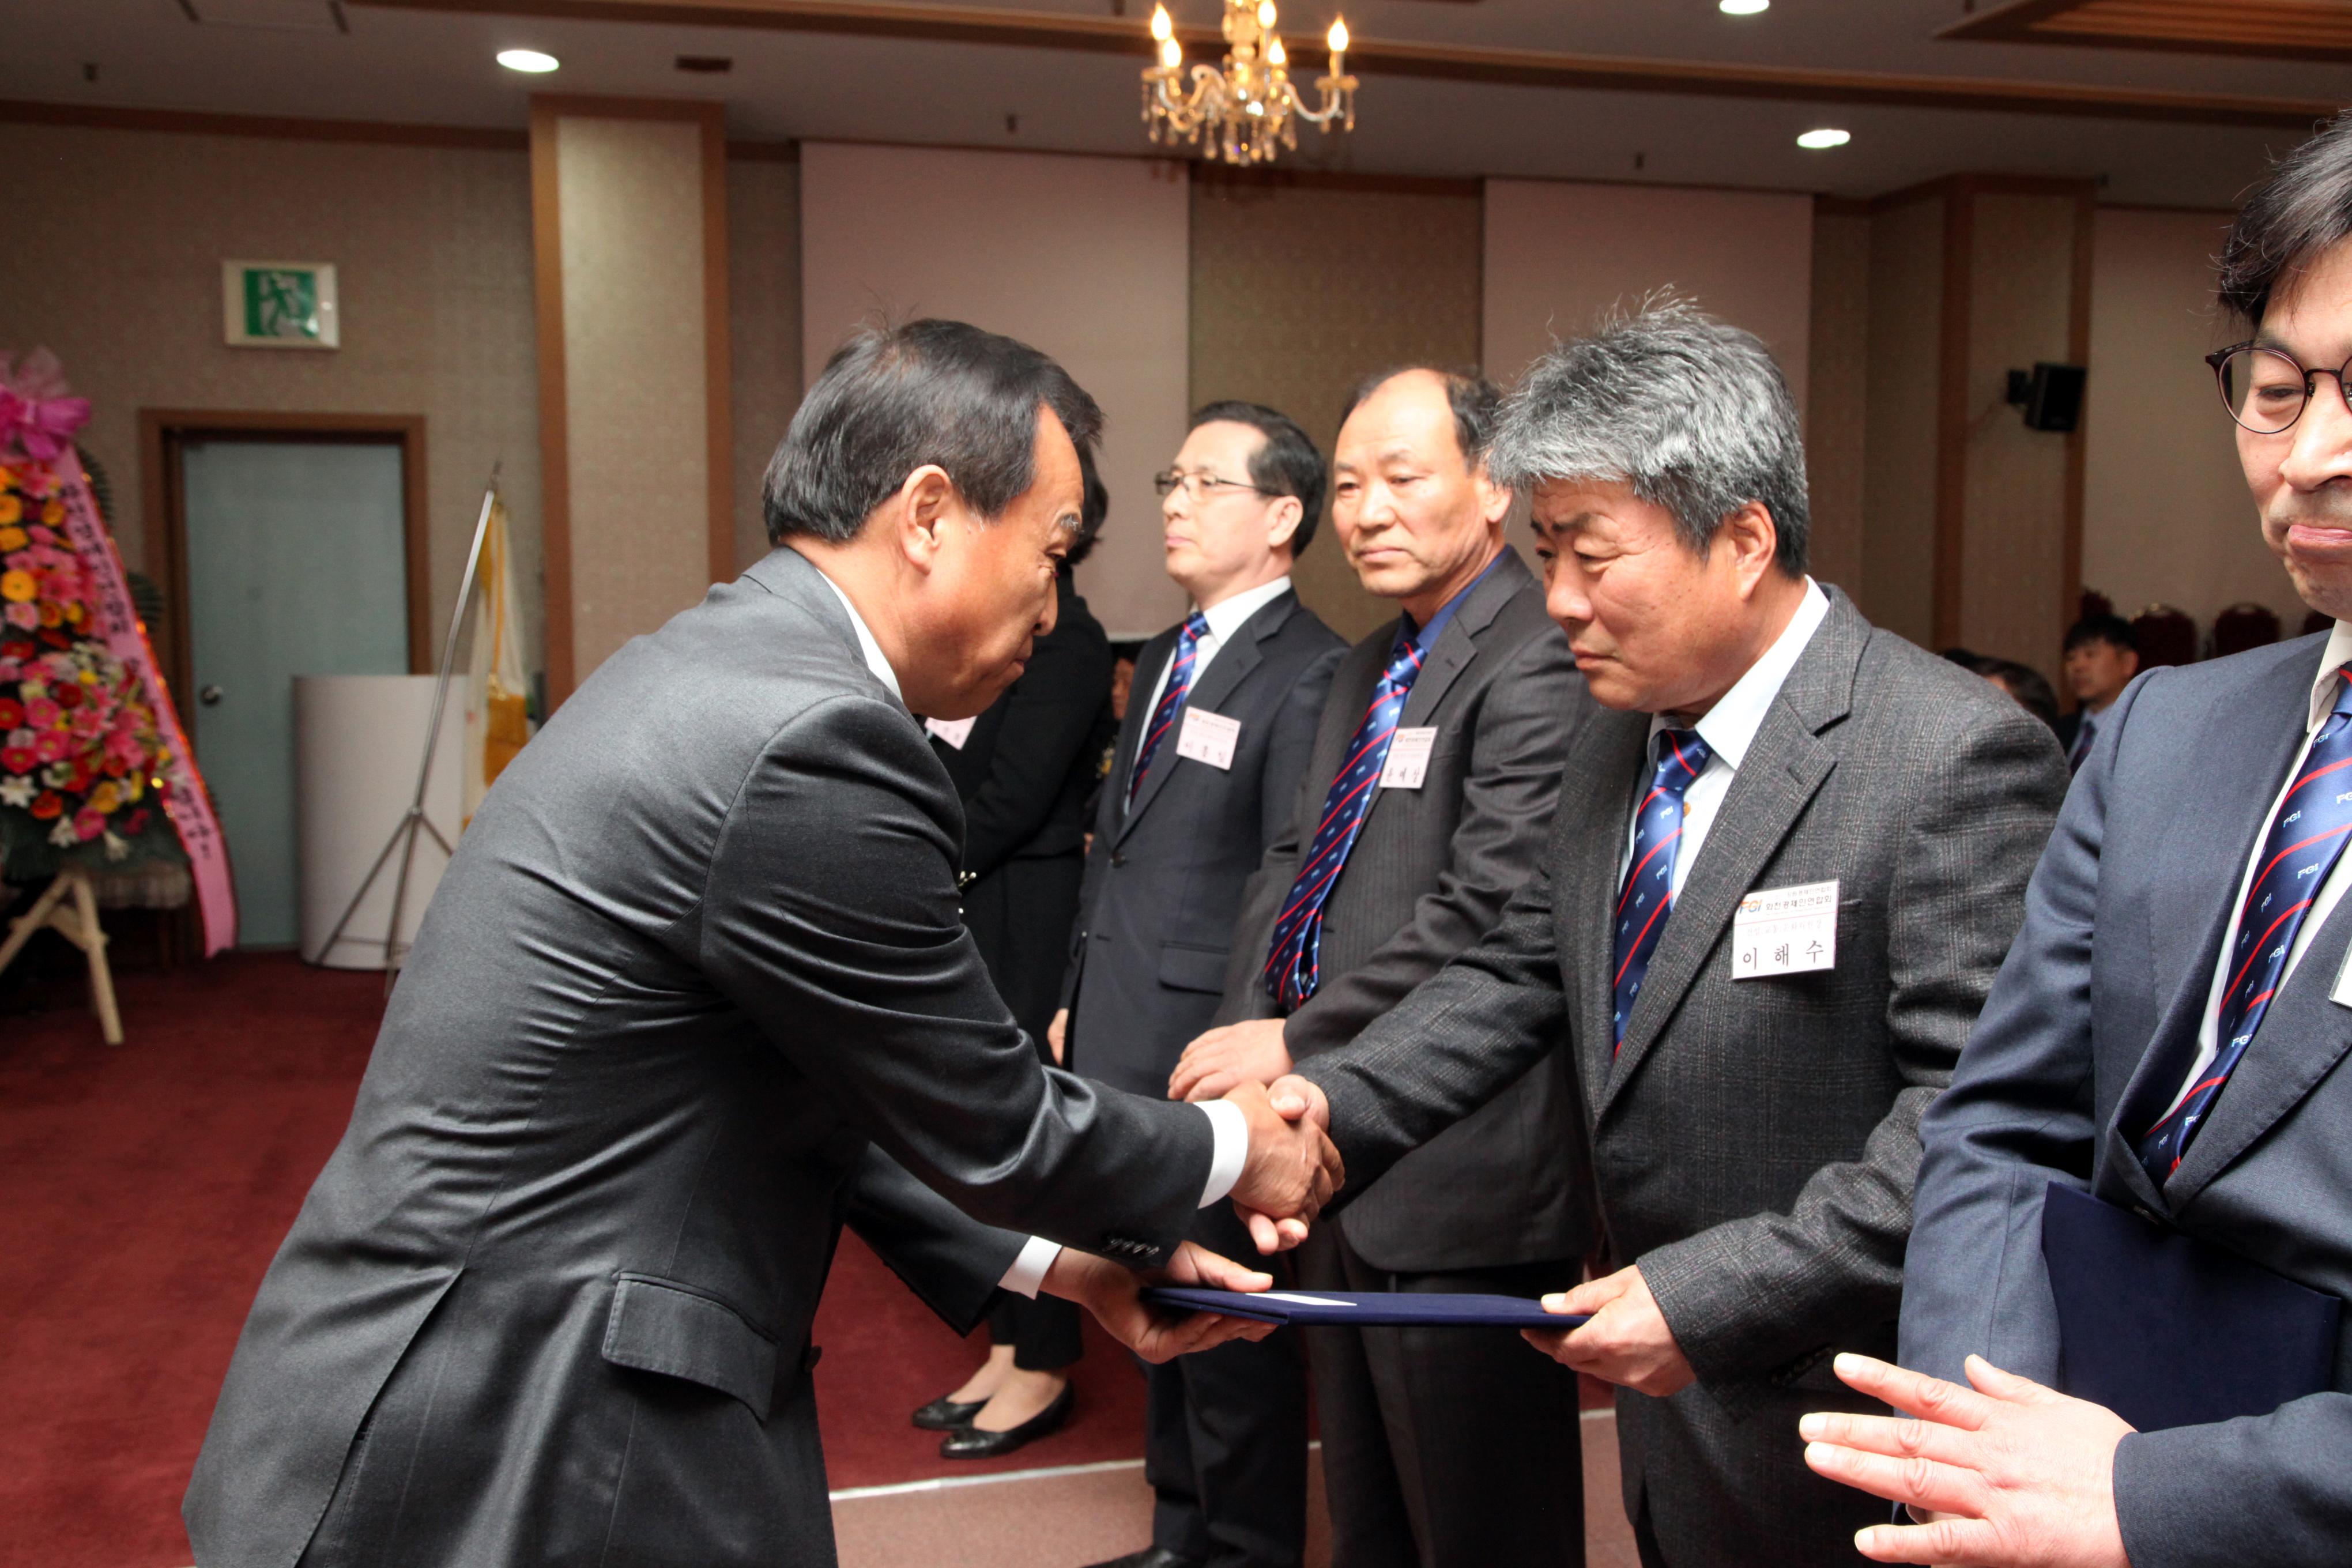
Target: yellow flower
[(12, 507), (54, 513), (14, 539), (105, 797), (19, 586)]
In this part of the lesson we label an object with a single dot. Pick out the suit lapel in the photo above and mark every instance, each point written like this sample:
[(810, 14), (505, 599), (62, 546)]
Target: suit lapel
[(1154, 658), (2303, 1036), (1458, 646), (1784, 769)]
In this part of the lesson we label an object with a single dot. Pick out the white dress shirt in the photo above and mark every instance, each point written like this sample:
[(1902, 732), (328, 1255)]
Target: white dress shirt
[(2332, 659), (1225, 618), (1230, 1127), (1729, 728)]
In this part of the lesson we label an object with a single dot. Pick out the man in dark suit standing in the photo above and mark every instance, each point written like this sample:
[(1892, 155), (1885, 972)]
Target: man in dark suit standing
[(1429, 794), (1179, 830), (2169, 1034), (1800, 852), (2102, 657), (693, 987)]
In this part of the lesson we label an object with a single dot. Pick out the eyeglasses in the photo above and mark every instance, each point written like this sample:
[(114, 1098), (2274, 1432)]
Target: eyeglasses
[(1200, 487), (2265, 390)]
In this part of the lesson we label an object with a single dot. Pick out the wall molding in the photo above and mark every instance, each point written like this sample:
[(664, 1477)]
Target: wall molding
[(1442, 62)]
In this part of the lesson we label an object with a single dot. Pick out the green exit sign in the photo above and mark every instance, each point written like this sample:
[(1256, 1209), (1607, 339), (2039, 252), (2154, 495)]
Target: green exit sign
[(279, 304)]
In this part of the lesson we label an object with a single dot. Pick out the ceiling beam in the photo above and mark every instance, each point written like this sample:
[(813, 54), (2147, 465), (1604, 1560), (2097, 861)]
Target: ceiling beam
[(1437, 62)]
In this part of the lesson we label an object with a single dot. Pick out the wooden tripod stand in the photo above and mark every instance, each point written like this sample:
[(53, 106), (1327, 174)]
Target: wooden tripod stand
[(69, 906)]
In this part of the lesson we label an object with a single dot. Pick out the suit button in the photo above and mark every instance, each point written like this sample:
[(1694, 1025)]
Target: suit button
[(1118, 860)]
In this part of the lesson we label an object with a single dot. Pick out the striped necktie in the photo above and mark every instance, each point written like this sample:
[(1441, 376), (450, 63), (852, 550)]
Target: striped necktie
[(1293, 966), (2086, 732), (1648, 895), (2301, 848), (1179, 685)]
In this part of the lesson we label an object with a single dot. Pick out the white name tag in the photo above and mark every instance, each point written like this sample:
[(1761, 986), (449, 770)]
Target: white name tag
[(954, 732), (1785, 930), (1208, 738), (1408, 762)]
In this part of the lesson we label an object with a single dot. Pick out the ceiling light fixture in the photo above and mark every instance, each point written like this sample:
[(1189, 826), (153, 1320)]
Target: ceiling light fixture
[(1827, 136), (1245, 110), (1743, 7), (529, 60)]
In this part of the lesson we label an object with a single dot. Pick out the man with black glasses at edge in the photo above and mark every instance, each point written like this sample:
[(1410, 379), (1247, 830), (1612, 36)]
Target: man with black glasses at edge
[(2168, 1034)]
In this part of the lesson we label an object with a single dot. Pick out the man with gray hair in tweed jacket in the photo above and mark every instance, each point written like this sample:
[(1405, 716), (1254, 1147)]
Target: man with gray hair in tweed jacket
[(1792, 852)]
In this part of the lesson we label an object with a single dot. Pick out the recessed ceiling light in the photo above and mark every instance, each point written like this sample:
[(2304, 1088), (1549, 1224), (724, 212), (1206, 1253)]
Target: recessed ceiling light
[(1742, 7), (1826, 137), (527, 60)]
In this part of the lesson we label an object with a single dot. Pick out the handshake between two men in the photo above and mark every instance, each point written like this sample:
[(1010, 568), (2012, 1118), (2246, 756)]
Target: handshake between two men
[(1290, 1172)]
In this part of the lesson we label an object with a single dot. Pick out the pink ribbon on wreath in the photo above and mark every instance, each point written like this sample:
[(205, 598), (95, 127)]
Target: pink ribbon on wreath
[(35, 417)]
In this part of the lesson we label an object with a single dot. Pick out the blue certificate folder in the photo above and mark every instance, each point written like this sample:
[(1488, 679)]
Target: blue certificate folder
[(1367, 1308), (2168, 1331)]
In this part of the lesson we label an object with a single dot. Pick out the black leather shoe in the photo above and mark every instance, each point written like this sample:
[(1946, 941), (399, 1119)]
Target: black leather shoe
[(1149, 1557), (945, 1414), (971, 1443)]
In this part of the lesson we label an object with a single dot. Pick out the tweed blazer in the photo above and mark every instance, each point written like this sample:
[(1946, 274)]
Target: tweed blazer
[(695, 970), (1165, 875), (1753, 1141), (2081, 1047), (1427, 878)]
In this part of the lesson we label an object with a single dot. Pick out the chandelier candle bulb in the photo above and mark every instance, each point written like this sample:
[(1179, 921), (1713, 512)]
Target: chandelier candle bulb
[(1246, 108)]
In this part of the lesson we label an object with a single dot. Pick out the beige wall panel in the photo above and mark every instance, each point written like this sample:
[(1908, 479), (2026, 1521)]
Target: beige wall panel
[(1898, 548), (2014, 539), (763, 244), (1558, 253), (1298, 293), (631, 193), (1084, 257), (114, 262), (2166, 515), (1837, 407)]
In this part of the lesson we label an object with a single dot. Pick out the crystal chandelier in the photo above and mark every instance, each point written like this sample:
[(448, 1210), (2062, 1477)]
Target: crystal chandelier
[(1242, 111)]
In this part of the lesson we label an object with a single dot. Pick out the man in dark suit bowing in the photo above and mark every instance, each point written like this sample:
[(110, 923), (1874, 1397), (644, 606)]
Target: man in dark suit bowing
[(1182, 824), (1798, 851), (2169, 1035), (1431, 790), (694, 988)]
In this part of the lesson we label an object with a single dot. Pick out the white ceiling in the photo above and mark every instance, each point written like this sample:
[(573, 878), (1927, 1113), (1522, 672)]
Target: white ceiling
[(436, 66)]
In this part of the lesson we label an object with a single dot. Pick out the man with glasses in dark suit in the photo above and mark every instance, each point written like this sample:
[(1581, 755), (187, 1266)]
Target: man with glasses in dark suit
[(2169, 1035), (1217, 730)]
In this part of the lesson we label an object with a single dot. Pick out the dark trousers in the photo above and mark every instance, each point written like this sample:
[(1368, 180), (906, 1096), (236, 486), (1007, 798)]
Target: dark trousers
[(1043, 1333), (1444, 1448), (1224, 1440), (1706, 1491)]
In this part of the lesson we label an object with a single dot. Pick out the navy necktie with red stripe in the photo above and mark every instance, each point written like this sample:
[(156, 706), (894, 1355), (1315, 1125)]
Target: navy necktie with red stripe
[(1648, 895), (1293, 967), (2314, 819), (1179, 684)]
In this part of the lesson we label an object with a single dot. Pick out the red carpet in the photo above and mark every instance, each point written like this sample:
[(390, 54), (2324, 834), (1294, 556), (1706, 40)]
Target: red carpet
[(144, 1190)]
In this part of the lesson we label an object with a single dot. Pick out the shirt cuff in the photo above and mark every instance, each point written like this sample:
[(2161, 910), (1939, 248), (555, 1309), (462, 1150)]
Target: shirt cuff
[(1028, 1270), (1232, 1148)]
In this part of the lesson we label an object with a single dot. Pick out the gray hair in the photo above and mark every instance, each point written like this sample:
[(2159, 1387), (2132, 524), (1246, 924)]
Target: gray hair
[(1691, 413)]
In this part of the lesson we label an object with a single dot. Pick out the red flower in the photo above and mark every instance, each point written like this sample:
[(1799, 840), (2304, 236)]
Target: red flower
[(136, 822), (12, 713), (69, 695), (46, 805)]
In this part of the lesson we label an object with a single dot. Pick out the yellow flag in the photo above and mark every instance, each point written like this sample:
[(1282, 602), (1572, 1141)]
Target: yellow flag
[(496, 725)]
